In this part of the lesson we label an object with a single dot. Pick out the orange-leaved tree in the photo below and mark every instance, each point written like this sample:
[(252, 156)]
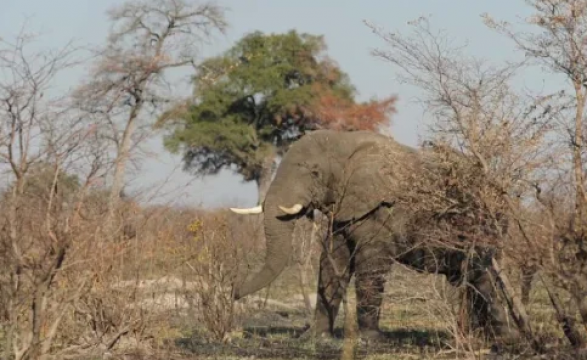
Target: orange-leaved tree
[(334, 112)]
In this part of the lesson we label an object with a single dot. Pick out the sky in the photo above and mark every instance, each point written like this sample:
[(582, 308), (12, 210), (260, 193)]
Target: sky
[(348, 39)]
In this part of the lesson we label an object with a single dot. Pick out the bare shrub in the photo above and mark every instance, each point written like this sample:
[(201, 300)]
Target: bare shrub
[(75, 262), (129, 80), (213, 262), (197, 250), (555, 41), (487, 145), (56, 294)]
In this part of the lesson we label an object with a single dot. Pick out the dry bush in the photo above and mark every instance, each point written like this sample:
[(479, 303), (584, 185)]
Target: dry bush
[(512, 155), (191, 259), (75, 261), (212, 262), (554, 40), (487, 145), (58, 297), (56, 294)]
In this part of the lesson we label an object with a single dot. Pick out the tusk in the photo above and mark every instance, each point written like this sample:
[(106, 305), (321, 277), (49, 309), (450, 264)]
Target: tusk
[(292, 210), (255, 210)]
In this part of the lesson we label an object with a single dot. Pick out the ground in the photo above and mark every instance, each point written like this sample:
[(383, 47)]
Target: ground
[(418, 319)]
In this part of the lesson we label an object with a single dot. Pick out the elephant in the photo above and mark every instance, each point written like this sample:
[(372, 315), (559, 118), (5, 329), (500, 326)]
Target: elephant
[(356, 178)]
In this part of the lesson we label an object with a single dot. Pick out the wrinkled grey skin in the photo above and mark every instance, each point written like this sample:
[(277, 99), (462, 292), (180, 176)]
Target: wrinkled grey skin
[(354, 176)]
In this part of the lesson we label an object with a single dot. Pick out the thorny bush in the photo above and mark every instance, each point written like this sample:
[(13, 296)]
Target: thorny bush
[(208, 261)]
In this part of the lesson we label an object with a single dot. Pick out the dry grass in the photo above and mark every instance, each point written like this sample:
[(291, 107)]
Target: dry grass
[(419, 319), (157, 280)]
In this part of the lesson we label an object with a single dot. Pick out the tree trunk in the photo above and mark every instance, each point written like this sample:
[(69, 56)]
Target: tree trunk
[(578, 163), (122, 156), (305, 258), (303, 287), (351, 331), (515, 306)]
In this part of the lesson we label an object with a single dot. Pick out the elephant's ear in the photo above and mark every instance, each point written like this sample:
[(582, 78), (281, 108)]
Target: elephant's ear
[(374, 174)]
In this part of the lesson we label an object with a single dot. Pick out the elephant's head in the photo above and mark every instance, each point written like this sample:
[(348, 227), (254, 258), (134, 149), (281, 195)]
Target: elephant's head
[(339, 173)]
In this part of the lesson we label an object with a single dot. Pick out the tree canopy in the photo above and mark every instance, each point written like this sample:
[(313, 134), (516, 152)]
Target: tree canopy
[(253, 100), (41, 182)]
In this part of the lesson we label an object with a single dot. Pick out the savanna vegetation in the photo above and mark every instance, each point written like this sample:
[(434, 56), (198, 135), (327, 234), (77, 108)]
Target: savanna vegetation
[(92, 269)]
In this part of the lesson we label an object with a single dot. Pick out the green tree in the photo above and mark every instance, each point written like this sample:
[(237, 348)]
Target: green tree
[(44, 185), (252, 101), (41, 181)]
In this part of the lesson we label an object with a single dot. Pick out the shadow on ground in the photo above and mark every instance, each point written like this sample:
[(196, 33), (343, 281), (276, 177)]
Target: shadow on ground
[(288, 343)]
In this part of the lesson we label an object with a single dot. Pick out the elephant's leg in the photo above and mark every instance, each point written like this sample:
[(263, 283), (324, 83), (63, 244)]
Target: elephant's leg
[(372, 263), (489, 314), (370, 285), (331, 288)]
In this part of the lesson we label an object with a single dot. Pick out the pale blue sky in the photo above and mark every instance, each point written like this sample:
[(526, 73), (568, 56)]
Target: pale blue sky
[(348, 39)]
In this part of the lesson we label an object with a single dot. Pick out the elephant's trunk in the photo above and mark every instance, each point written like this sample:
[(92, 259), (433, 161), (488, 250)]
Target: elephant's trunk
[(278, 234)]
